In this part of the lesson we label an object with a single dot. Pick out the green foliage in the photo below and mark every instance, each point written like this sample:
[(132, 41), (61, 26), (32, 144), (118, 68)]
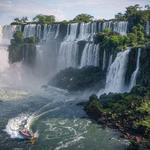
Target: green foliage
[(130, 110), (44, 19), (109, 40), (18, 37), (135, 15), (21, 48), (31, 40), (107, 30), (145, 107), (136, 36), (120, 16), (22, 20), (64, 22), (132, 39), (140, 91), (133, 146), (132, 10), (144, 122), (94, 103), (83, 18), (94, 107), (118, 41)]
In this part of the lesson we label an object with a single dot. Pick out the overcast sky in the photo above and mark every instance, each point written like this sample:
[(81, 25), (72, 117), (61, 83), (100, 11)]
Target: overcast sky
[(63, 9)]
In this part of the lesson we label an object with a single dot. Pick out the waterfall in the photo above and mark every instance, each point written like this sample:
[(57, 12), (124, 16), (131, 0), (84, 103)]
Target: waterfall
[(1, 33), (116, 75), (148, 28), (104, 60), (57, 31), (8, 31), (90, 56), (84, 31), (135, 73), (107, 25), (68, 55), (120, 27), (110, 62), (71, 32), (50, 33), (65, 48), (68, 52), (29, 31), (4, 62)]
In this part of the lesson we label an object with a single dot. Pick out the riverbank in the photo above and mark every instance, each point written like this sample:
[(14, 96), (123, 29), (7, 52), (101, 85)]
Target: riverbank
[(128, 112)]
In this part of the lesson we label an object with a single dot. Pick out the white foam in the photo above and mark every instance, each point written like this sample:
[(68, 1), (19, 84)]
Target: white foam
[(15, 124)]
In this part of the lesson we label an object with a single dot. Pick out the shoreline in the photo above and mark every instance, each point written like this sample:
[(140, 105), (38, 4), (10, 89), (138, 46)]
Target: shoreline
[(125, 134)]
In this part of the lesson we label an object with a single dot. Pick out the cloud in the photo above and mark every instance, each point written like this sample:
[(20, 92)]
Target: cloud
[(63, 9), (10, 9)]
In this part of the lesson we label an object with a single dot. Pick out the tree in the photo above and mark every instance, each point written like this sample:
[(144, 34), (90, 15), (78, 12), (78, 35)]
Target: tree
[(18, 37), (132, 10), (107, 30), (119, 16), (24, 19), (139, 31), (21, 21), (136, 36), (147, 7), (83, 18), (44, 19), (17, 20)]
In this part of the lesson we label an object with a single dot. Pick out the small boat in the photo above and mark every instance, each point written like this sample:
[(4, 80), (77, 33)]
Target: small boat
[(25, 133)]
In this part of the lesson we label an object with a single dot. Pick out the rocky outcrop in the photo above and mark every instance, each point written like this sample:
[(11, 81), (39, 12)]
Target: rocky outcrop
[(144, 71), (79, 79)]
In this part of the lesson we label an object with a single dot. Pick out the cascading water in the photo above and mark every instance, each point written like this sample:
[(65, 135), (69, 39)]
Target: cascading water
[(3, 53), (29, 31), (120, 27), (85, 32), (90, 56), (68, 52), (135, 73), (3, 59), (68, 55), (46, 49), (110, 62), (116, 74), (57, 31), (148, 28), (8, 32), (71, 32), (12, 75), (107, 25), (1, 33)]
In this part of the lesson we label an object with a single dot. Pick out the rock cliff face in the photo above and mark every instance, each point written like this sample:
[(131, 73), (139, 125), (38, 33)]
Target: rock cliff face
[(144, 71), (143, 74)]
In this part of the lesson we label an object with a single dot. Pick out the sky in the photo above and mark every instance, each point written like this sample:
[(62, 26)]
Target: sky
[(63, 9)]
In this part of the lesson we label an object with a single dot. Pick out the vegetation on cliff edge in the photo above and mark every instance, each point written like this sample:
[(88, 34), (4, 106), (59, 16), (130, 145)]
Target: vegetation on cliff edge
[(22, 48), (128, 112)]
